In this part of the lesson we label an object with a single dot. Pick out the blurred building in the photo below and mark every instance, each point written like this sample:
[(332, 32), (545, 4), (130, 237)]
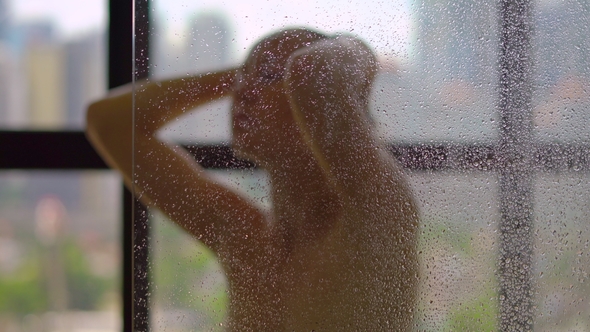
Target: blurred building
[(448, 94), (7, 76), (205, 46), (4, 19), (11, 84), (45, 63), (85, 74), (561, 40)]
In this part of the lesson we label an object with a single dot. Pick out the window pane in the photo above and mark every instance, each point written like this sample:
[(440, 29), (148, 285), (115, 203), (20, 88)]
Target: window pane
[(60, 251), (436, 82), (561, 251), (458, 248), (458, 251), (52, 62), (561, 101), (445, 89), (188, 285), (437, 79)]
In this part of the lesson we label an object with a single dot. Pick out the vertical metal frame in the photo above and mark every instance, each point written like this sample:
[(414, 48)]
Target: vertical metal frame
[(119, 73), (141, 228), (515, 261), (128, 40)]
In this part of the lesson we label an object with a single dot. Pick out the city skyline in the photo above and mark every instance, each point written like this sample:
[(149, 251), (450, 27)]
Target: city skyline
[(47, 82), (449, 56)]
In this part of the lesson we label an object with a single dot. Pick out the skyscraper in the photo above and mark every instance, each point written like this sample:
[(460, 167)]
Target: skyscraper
[(456, 67), (85, 71), (561, 41), (561, 73), (205, 45)]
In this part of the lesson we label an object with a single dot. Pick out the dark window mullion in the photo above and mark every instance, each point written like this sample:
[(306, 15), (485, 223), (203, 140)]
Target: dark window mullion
[(141, 226), (47, 150), (120, 72), (516, 176)]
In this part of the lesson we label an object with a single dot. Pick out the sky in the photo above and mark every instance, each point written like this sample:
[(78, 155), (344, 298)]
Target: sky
[(71, 17), (385, 24)]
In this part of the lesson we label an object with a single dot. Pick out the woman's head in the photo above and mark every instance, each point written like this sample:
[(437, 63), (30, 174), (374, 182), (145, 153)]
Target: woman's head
[(261, 110), (263, 123), (268, 57)]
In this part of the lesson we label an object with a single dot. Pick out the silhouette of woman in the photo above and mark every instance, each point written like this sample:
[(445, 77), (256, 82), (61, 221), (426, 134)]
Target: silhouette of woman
[(338, 250)]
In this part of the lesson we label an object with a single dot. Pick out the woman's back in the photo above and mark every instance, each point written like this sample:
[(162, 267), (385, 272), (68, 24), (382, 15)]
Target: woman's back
[(358, 274)]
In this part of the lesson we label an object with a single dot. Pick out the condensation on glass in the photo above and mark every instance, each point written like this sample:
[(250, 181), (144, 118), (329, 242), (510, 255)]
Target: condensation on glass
[(438, 85), (561, 109), (561, 74)]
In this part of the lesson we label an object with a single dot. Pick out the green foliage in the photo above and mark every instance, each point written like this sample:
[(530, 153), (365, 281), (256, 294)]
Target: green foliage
[(22, 292), (475, 315), (10, 194), (473, 307), (85, 290), (184, 273), (446, 233)]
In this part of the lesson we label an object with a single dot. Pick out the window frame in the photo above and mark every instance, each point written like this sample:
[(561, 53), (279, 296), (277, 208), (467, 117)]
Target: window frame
[(514, 156)]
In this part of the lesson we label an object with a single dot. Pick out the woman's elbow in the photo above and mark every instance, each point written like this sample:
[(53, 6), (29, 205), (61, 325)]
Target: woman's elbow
[(94, 121), (106, 123), (97, 122)]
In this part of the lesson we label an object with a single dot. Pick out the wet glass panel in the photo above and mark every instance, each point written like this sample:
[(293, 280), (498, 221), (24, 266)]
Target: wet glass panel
[(60, 251), (457, 244), (188, 286), (438, 61), (458, 251), (52, 62), (561, 251), (445, 89), (561, 102), (435, 82)]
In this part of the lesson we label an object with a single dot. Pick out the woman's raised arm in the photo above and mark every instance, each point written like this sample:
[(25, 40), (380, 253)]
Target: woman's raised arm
[(110, 121), (166, 176)]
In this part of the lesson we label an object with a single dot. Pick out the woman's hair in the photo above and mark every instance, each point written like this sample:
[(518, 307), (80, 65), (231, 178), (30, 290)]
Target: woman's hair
[(270, 55), (289, 40)]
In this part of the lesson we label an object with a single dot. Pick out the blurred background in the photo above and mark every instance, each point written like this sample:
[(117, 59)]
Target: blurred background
[(60, 231), (60, 245)]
